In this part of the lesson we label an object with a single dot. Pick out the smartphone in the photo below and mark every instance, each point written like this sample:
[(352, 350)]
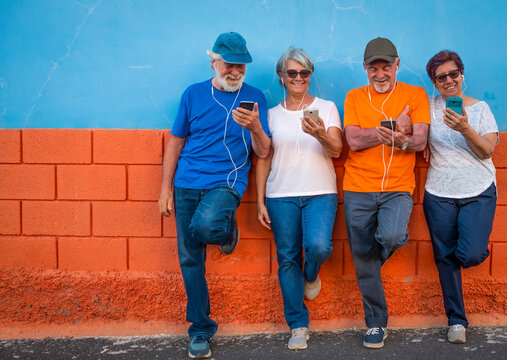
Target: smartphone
[(313, 114), (455, 104), (249, 105), (390, 124)]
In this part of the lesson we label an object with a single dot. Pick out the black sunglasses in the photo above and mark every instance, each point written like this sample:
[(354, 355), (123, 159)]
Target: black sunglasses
[(452, 74), (293, 73)]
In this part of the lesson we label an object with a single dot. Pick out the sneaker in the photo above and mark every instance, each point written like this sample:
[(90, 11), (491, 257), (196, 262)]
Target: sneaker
[(199, 347), (457, 334), (298, 339), (374, 338), (312, 289), (229, 246)]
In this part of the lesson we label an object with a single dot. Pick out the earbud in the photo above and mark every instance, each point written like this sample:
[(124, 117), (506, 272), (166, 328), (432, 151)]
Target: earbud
[(281, 79), (463, 77), (397, 68)]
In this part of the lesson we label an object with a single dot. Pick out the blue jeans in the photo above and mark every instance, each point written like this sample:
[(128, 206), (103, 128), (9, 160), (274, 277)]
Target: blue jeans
[(377, 225), (459, 231), (202, 217), (298, 223)]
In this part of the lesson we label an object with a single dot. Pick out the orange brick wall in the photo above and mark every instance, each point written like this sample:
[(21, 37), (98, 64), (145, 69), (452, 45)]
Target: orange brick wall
[(84, 251)]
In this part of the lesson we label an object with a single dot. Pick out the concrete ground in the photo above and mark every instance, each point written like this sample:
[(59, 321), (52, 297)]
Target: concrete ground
[(429, 343)]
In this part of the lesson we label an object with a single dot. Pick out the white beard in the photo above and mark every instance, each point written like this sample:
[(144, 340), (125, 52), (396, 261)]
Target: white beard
[(222, 81), (381, 88)]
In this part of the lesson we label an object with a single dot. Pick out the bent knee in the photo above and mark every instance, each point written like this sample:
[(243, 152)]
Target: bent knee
[(469, 260), (209, 234), (320, 250)]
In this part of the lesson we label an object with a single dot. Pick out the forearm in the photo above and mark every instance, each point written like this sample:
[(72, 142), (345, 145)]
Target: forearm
[(262, 170), (170, 162), (481, 145), (261, 143), (417, 142), (331, 141), (360, 139)]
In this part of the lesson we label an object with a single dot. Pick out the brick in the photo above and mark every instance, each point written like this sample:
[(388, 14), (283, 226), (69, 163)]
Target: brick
[(273, 260), (501, 185), (92, 254), (401, 265), (27, 182), (250, 194), (169, 226), (479, 271), (91, 182), (333, 267), (251, 256), (10, 146), (28, 252), (127, 146), (500, 154), (499, 232), (55, 218), (10, 217), (57, 146), (248, 225), (144, 182), (340, 171), (417, 228), (499, 261), (421, 182), (340, 229), (153, 254), (343, 156), (126, 219), (426, 268)]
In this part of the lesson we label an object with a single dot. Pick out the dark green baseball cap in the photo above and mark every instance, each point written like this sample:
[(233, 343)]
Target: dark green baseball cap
[(380, 49), (231, 46)]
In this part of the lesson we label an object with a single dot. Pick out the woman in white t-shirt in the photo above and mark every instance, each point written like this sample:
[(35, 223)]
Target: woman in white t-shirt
[(296, 189), (460, 197)]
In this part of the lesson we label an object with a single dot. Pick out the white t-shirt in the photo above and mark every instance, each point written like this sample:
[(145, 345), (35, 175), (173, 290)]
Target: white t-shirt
[(300, 166), (455, 170)]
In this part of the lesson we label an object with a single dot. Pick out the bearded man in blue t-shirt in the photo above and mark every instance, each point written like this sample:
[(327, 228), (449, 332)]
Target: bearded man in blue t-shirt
[(205, 172)]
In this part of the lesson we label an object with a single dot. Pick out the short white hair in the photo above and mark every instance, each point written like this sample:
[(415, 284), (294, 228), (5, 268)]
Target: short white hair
[(213, 55)]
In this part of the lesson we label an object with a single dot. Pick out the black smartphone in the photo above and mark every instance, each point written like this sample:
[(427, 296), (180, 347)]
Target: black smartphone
[(455, 104), (390, 124), (249, 105)]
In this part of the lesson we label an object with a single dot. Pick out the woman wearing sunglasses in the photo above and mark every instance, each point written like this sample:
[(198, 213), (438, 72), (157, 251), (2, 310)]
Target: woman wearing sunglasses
[(460, 197), (296, 188)]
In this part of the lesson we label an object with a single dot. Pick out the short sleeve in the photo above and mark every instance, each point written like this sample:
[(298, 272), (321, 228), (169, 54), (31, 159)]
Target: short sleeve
[(349, 111), (487, 123), (420, 108), (181, 127), (334, 117)]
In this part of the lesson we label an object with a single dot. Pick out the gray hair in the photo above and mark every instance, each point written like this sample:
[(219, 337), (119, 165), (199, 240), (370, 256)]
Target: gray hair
[(213, 55), (295, 54)]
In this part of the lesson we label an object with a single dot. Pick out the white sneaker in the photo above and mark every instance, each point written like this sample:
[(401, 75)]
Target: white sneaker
[(312, 289), (457, 334), (298, 339)]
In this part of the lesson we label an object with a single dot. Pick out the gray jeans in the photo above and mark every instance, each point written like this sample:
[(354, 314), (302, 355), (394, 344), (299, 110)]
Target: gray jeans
[(377, 225)]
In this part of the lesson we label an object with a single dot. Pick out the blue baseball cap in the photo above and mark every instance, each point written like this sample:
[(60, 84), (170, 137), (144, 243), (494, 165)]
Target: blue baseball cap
[(231, 46)]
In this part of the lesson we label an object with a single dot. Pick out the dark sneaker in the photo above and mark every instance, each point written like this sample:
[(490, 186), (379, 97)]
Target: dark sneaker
[(229, 246), (199, 347), (374, 338), (457, 334)]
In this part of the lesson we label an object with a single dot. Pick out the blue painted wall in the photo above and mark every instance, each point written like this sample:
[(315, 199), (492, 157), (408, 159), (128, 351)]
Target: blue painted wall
[(125, 63)]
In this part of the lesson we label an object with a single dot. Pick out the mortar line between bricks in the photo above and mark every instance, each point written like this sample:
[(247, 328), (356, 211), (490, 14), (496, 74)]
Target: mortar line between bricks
[(21, 146)]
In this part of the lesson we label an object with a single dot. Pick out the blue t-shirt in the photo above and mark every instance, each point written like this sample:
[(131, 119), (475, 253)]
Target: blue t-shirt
[(205, 161)]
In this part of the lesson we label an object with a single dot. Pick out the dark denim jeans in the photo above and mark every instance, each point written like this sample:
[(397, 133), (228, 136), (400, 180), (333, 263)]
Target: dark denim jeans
[(377, 225), (459, 231), (299, 223), (202, 217)]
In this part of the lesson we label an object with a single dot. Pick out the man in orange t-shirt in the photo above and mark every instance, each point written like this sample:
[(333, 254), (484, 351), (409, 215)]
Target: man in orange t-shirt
[(379, 173)]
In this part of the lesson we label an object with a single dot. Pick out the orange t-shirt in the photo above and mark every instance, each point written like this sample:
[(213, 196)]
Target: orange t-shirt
[(364, 169)]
